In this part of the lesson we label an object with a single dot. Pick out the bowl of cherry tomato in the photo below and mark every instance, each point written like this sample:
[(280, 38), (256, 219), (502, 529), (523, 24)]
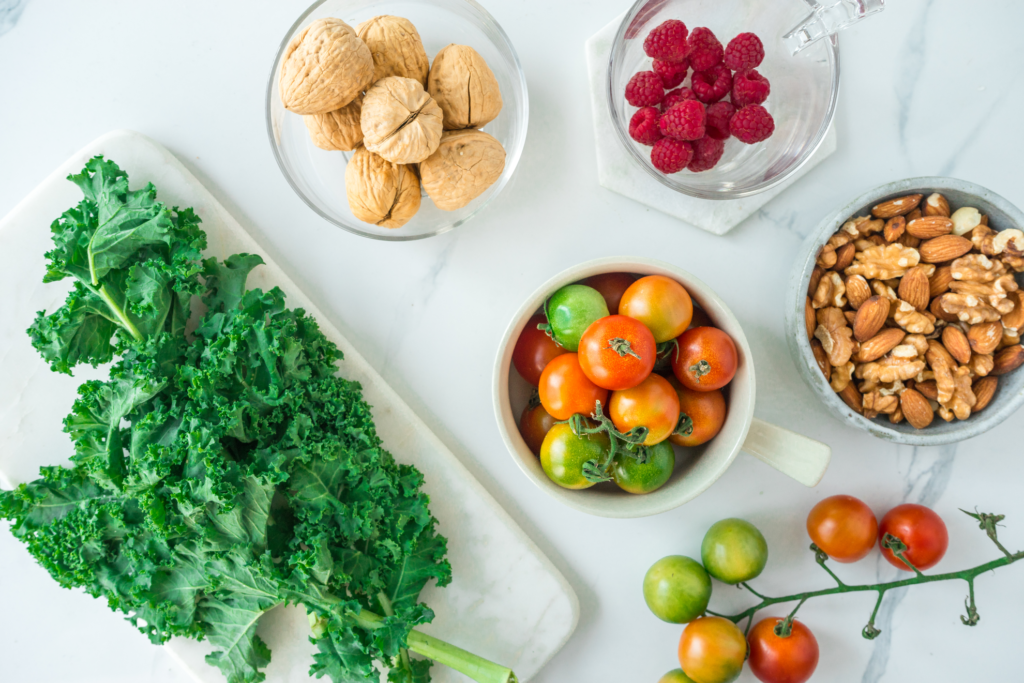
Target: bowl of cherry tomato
[(624, 388)]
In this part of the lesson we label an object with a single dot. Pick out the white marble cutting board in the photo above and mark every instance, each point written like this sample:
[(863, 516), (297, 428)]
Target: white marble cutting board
[(507, 602)]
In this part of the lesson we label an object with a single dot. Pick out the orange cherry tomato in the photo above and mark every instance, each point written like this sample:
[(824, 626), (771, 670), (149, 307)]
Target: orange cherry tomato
[(652, 404), (660, 303), (617, 352), (774, 659), (612, 286), (843, 527), (706, 410), (534, 425), (534, 350), (705, 360), (921, 530), (712, 650), (565, 390)]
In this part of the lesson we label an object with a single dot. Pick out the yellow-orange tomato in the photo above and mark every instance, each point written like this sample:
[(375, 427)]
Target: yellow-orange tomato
[(843, 527), (565, 390), (712, 650), (660, 303), (653, 404), (706, 410)]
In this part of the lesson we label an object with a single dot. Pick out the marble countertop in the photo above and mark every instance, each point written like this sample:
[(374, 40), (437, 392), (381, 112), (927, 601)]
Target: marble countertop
[(930, 87)]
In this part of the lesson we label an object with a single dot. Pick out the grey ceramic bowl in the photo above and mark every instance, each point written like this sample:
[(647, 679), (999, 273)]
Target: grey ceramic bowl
[(1010, 394)]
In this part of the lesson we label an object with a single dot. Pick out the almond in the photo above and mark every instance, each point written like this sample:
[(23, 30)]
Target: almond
[(879, 345), (928, 227), (941, 313), (897, 207), (915, 289), (936, 205), (894, 228), (940, 281), (816, 276), (819, 355), (871, 315), (915, 214), (985, 337), (909, 241), (929, 389), (852, 397), (1014, 320), (1008, 360), (844, 256), (857, 291), (916, 409), (944, 248), (850, 317), (984, 390), (809, 320), (955, 341)]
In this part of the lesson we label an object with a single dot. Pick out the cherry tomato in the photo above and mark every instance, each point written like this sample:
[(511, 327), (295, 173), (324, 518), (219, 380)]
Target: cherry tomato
[(700, 318), (660, 303), (653, 404), (733, 551), (534, 350), (921, 530), (534, 425), (677, 589), (612, 286), (705, 360), (632, 477), (564, 390), (617, 352), (675, 676), (844, 528), (570, 310), (563, 455), (775, 659), (706, 411), (712, 650)]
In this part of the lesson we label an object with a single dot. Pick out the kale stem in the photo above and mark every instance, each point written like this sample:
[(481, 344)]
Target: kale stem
[(121, 316)]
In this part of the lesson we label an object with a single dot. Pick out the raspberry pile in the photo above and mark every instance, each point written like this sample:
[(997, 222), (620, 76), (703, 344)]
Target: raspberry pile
[(687, 125)]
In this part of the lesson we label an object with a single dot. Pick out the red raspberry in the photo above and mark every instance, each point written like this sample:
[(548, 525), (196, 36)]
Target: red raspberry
[(705, 50), (683, 121), (711, 85), (745, 51), (671, 156), (667, 42), (645, 89), (643, 127), (718, 116), (675, 97), (749, 87), (707, 152), (752, 124), (671, 74)]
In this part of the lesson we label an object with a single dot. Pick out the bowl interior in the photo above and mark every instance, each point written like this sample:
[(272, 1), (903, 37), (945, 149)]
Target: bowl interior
[(803, 95), (318, 176), (696, 468)]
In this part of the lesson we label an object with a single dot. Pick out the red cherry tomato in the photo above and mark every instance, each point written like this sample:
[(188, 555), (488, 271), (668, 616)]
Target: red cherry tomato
[(534, 425), (844, 528), (660, 303), (612, 286), (775, 659), (711, 650), (652, 404), (534, 350), (617, 352), (921, 530), (706, 410), (564, 389), (706, 359)]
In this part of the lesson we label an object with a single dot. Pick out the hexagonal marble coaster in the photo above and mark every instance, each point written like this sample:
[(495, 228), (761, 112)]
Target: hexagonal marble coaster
[(619, 173)]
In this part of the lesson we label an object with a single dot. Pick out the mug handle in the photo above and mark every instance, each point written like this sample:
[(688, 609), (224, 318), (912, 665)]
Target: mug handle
[(792, 454)]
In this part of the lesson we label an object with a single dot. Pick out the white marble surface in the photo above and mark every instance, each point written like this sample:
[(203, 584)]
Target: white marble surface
[(929, 87)]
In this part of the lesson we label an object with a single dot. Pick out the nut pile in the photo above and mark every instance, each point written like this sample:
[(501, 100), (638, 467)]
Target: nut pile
[(915, 309), (372, 89)]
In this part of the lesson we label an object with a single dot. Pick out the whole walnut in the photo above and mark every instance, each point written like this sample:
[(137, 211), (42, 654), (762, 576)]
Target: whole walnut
[(324, 68), (337, 130), (464, 87), (379, 191), (396, 48), (465, 164), (400, 121)]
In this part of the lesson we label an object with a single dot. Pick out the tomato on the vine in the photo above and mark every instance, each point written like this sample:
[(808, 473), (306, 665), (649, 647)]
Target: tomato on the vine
[(705, 410), (534, 350), (733, 551), (632, 477), (617, 352), (677, 589), (706, 359), (778, 659), (920, 529), (612, 286), (843, 527), (712, 650), (660, 303), (563, 455), (653, 404), (534, 425), (564, 389), (570, 310)]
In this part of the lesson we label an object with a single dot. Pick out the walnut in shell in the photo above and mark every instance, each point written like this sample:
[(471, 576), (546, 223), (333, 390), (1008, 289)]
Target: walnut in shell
[(396, 48), (465, 164), (379, 191), (400, 121), (324, 68), (337, 130), (464, 87)]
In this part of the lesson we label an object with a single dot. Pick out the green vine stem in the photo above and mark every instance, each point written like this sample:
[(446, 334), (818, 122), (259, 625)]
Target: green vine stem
[(597, 471)]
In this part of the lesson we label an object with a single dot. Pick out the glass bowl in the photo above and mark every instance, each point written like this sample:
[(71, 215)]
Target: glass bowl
[(804, 90), (318, 176)]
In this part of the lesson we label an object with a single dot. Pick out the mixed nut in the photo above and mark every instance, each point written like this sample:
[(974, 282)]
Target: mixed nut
[(915, 309)]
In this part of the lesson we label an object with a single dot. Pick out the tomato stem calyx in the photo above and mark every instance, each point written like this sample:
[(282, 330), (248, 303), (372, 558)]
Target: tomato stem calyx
[(622, 347), (633, 440), (700, 368)]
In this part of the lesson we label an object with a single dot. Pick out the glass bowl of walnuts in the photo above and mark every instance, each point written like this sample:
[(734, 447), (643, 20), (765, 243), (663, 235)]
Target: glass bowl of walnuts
[(397, 119), (906, 309)]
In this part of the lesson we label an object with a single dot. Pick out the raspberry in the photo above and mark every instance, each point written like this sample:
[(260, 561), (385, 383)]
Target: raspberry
[(707, 152), (745, 51), (717, 124), (705, 50), (671, 74), (675, 97), (749, 87), (683, 121), (645, 89), (752, 124), (711, 85), (643, 127), (671, 156), (667, 42)]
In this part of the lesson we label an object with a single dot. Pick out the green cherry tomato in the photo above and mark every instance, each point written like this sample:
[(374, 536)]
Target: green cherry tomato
[(675, 676), (633, 477), (570, 311), (677, 589), (733, 551), (563, 454)]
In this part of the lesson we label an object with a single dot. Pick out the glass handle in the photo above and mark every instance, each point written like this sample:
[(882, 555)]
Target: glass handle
[(829, 17)]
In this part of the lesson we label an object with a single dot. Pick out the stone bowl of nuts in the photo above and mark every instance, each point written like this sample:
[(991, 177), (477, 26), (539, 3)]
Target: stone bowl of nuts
[(906, 309)]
